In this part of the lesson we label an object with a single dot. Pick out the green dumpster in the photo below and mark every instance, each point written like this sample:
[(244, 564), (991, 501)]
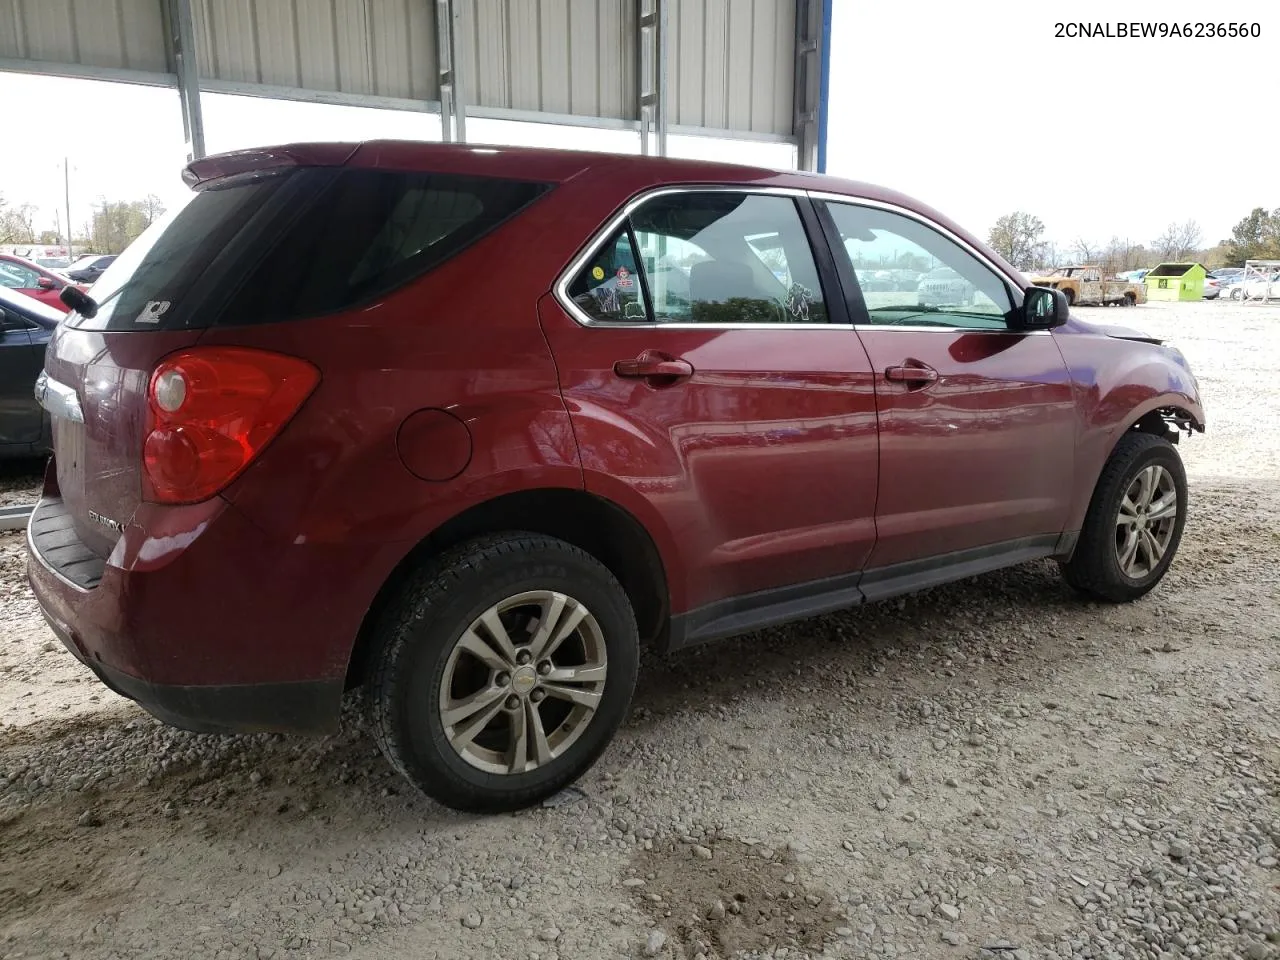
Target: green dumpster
[(1176, 281)]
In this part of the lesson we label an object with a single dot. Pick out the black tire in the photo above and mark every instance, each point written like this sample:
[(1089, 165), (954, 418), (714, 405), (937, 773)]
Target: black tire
[(1070, 295), (1094, 568), (420, 630)]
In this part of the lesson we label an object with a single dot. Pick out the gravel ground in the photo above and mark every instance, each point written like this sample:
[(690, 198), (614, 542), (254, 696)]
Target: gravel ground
[(20, 481), (991, 769)]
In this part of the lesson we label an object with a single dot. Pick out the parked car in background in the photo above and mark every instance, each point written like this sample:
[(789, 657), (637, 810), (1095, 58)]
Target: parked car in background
[(1225, 275), (26, 325), (1256, 288), (319, 429), (33, 280), (1212, 288), (53, 263), (944, 287), (89, 268)]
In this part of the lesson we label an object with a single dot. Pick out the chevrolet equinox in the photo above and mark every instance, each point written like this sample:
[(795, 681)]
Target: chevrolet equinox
[(467, 427)]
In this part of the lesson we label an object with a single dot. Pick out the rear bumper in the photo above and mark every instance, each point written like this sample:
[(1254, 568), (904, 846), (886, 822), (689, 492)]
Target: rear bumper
[(303, 707), (206, 621)]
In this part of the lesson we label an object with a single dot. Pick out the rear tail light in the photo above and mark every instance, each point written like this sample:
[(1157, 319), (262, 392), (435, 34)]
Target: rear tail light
[(213, 410)]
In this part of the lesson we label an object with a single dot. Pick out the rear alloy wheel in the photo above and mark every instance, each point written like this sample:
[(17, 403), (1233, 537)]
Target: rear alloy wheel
[(497, 700), (1134, 523), (507, 667)]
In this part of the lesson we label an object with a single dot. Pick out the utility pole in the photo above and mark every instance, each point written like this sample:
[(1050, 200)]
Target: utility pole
[(66, 183)]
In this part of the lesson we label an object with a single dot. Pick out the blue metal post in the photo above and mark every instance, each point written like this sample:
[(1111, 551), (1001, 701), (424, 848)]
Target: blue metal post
[(824, 81)]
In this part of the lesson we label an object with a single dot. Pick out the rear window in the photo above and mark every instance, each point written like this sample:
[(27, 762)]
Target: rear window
[(370, 232), (147, 286), (300, 244)]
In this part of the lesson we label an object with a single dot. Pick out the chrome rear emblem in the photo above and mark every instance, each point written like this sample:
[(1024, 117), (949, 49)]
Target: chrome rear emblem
[(107, 522)]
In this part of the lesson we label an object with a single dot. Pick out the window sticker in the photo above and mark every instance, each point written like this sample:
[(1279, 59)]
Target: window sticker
[(798, 299), (153, 311)]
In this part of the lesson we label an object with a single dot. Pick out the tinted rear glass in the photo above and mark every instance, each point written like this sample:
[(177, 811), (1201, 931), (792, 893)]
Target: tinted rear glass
[(330, 240), (146, 287), (370, 232)]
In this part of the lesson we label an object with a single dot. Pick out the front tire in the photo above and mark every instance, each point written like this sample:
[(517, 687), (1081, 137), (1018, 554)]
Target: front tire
[(506, 667), (1134, 523)]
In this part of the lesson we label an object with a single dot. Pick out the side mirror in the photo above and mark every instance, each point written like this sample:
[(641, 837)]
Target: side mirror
[(1044, 308), (45, 283)]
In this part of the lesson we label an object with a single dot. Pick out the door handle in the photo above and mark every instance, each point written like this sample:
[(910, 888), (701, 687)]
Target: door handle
[(912, 371), (652, 365)]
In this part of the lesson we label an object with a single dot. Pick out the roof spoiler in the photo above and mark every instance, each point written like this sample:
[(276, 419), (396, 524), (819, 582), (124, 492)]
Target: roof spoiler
[(202, 171)]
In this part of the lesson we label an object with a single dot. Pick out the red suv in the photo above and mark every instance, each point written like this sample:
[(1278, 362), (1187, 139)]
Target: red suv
[(469, 426)]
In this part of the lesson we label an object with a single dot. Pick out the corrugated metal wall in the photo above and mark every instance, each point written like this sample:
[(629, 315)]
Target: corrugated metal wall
[(115, 34), (552, 56), (375, 47), (730, 62)]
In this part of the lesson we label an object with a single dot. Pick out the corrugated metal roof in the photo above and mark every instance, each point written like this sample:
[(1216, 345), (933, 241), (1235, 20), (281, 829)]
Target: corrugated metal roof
[(730, 62)]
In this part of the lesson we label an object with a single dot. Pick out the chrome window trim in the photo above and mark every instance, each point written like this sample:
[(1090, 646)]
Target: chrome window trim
[(561, 288), (894, 327)]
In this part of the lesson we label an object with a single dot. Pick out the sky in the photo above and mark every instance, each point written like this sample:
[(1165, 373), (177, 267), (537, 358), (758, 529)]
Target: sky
[(975, 108)]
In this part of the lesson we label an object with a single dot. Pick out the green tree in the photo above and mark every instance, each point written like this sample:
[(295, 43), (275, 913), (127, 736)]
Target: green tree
[(116, 224), (1256, 237), (1017, 237)]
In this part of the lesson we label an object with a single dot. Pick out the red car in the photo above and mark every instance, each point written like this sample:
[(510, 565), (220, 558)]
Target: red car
[(469, 426), (33, 280)]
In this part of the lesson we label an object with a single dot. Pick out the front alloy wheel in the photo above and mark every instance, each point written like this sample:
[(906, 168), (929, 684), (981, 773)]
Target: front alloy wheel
[(1134, 522), (1145, 521)]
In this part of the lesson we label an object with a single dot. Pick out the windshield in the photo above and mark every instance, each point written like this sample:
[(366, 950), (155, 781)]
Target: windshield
[(29, 305)]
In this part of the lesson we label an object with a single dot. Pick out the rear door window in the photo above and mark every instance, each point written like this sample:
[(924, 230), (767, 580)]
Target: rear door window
[(726, 257)]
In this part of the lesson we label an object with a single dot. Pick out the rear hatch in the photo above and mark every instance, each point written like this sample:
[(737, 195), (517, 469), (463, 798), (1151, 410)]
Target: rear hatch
[(266, 240), (148, 306)]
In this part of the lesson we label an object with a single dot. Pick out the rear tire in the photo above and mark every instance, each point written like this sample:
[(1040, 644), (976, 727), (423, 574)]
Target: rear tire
[(1071, 297), (1134, 523), (472, 702)]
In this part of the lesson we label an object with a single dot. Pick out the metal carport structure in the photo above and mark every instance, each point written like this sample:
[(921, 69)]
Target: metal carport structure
[(740, 69)]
